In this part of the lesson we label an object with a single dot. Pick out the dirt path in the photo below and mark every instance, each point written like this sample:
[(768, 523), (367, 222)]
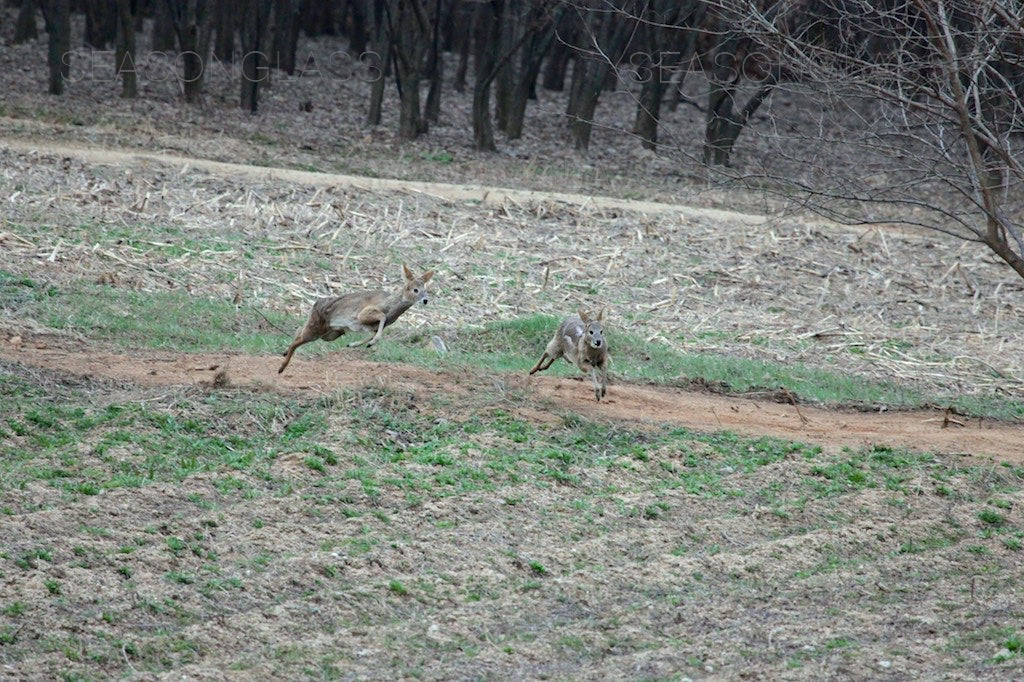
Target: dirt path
[(923, 430), (448, 191), (915, 430)]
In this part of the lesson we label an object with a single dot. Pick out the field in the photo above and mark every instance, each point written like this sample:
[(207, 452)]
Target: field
[(810, 464)]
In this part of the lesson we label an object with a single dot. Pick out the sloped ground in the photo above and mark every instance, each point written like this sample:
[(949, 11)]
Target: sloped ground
[(926, 312), (925, 431), (357, 520), (398, 529)]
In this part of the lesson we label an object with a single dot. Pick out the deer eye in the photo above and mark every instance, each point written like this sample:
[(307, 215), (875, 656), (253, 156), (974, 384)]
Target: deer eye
[(415, 291), (591, 332)]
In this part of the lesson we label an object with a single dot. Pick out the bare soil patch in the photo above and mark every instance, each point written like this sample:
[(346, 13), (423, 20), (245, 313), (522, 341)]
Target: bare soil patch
[(929, 431)]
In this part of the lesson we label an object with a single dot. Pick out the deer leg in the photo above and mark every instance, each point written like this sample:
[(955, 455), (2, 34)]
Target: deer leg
[(543, 356), (380, 330), (370, 316), (597, 384), (304, 336), (542, 366)]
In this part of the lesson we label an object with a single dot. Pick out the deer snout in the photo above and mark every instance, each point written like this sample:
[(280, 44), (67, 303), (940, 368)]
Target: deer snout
[(424, 300), (596, 343)]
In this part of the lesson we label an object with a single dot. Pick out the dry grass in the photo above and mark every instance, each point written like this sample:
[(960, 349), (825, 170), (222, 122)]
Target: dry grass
[(888, 304)]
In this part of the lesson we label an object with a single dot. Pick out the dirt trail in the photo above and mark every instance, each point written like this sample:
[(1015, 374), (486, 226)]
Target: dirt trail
[(921, 430), (915, 430), (448, 191)]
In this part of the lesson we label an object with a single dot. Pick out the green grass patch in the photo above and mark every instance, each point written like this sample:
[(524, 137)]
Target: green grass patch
[(179, 320), (82, 447), (367, 461), (172, 320)]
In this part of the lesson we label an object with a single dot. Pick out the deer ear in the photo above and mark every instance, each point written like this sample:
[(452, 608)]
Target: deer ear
[(427, 275), (600, 315), (408, 272), (583, 315)]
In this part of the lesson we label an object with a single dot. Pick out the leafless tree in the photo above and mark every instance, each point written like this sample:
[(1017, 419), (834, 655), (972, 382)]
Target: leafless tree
[(536, 34), (411, 32), (287, 17), (503, 28), (124, 54), (25, 25), (401, 32), (607, 29), (225, 26), (920, 111), (378, 18), (487, 28), (666, 38), (257, 31), (57, 15), (100, 22), (441, 15), (192, 21)]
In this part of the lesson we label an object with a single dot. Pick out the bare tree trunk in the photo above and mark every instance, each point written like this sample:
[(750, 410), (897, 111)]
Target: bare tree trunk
[(410, 120), (532, 56), (360, 30), (57, 15), (100, 22), (561, 52), (162, 31), (662, 30), (509, 28), (377, 86), (1002, 249), (579, 67), (286, 34), (590, 85), (381, 42), (464, 40), (225, 25), (25, 27), (320, 17), (484, 61), (687, 49), (722, 128), (608, 42), (256, 35), (433, 108), (124, 55), (724, 123), (648, 108), (192, 20), (412, 31)]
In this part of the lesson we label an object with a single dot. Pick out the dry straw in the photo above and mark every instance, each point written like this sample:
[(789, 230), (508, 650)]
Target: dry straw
[(883, 303)]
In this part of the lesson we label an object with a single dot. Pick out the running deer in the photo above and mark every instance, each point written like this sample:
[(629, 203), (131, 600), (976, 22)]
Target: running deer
[(359, 311), (580, 340)]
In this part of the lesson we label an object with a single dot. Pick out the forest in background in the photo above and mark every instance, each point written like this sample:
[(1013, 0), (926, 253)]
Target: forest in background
[(917, 105)]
